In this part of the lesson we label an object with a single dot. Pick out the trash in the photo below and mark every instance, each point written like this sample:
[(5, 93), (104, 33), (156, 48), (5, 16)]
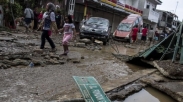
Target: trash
[(31, 64)]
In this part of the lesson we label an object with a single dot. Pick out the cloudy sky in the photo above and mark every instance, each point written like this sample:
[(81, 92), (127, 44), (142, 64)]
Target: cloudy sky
[(170, 5)]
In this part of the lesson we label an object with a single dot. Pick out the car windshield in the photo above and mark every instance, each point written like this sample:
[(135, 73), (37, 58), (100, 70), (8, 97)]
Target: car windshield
[(124, 27), (98, 21)]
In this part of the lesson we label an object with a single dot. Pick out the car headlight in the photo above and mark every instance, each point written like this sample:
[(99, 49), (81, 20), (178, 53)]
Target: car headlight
[(83, 27), (104, 30)]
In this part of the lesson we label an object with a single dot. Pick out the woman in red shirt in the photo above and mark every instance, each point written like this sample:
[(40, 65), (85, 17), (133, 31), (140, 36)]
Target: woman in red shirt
[(134, 33)]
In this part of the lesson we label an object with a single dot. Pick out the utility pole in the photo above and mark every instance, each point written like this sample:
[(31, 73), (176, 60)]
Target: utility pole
[(176, 7)]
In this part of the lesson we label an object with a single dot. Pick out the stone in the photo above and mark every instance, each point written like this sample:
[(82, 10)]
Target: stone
[(80, 45), (20, 62), (8, 62), (39, 51), (85, 40), (47, 57), (6, 39), (37, 62), (55, 56), (62, 62), (52, 61), (98, 42), (82, 57), (75, 60)]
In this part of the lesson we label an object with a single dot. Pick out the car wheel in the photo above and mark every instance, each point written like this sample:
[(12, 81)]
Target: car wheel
[(106, 40)]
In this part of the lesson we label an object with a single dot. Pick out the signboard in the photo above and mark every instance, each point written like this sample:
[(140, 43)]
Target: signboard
[(91, 89)]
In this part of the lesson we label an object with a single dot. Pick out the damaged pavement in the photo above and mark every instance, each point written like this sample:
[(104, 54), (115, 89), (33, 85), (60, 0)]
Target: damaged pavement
[(50, 77)]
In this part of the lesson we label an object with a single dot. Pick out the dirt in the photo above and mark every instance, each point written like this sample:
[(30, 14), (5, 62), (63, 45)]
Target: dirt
[(51, 77), (174, 69)]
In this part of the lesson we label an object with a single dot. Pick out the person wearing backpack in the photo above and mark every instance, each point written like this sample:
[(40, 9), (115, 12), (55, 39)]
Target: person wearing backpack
[(29, 16), (48, 22)]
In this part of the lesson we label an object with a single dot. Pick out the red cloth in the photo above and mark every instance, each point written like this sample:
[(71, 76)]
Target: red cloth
[(144, 32), (40, 16), (135, 31), (134, 37)]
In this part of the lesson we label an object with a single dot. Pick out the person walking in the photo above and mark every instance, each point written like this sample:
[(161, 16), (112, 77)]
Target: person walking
[(69, 30), (144, 34), (134, 33), (36, 15), (151, 35), (58, 19), (49, 19), (29, 16)]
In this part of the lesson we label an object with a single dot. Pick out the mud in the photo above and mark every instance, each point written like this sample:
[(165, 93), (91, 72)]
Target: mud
[(169, 69), (51, 76)]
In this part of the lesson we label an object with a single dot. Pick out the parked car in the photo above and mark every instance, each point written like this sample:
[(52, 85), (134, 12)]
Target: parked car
[(97, 28), (125, 27)]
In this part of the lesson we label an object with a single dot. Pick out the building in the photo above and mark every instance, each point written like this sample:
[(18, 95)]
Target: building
[(150, 15), (114, 10), (167, 20)]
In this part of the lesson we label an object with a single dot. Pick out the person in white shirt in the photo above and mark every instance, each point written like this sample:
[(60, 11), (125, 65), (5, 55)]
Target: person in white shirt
[(29, 16), (49, 21), (69, 31)]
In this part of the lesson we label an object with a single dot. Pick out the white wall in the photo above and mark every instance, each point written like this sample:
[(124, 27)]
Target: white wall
[(1, 16), (135, 3)]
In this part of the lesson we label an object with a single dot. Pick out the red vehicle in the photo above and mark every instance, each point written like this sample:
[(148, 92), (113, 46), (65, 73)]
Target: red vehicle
[(124, 29)]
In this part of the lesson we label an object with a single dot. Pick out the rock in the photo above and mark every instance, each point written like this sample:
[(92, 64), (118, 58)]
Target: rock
[(55, 56), (99, 42), (75, 60), (7, 62), (52, 61), (37, 62), (80, 45), (82, 57), (20, 62), (62, 62), (6, 39), (39, 51), (47, 57), (85, 40)]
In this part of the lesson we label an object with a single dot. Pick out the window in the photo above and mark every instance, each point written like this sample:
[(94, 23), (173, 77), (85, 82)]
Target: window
[(147, 6), (153, 9)]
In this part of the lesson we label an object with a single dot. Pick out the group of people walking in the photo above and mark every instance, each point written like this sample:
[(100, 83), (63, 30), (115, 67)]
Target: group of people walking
[(50, 20), (151, 34)]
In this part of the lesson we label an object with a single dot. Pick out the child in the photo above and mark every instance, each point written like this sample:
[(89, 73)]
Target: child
[(69, 30)]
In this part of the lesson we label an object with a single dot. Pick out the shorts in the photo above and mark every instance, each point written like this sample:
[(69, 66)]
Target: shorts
[(150, 38), (27, 20), (143, 38), (67, 38), (134, 37)]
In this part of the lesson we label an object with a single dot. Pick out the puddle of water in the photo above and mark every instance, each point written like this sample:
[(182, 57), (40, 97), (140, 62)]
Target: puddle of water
[(149, 95)]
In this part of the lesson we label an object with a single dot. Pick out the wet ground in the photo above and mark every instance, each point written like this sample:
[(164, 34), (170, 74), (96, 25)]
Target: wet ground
[(51, 77)]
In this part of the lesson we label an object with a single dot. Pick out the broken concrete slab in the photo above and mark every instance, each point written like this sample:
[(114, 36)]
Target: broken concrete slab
[(7, 39), (80, 45)]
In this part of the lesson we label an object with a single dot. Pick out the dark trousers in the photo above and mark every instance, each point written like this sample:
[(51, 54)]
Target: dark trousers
[(46, 36)]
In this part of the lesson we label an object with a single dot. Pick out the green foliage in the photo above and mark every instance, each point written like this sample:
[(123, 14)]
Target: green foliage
[(59, 1), (16, 8)]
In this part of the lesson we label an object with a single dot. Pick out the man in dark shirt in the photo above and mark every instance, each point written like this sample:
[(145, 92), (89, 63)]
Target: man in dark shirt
[(58, 18)]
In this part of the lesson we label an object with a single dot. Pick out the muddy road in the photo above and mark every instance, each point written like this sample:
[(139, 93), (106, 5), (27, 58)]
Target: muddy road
[(51, 76)]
